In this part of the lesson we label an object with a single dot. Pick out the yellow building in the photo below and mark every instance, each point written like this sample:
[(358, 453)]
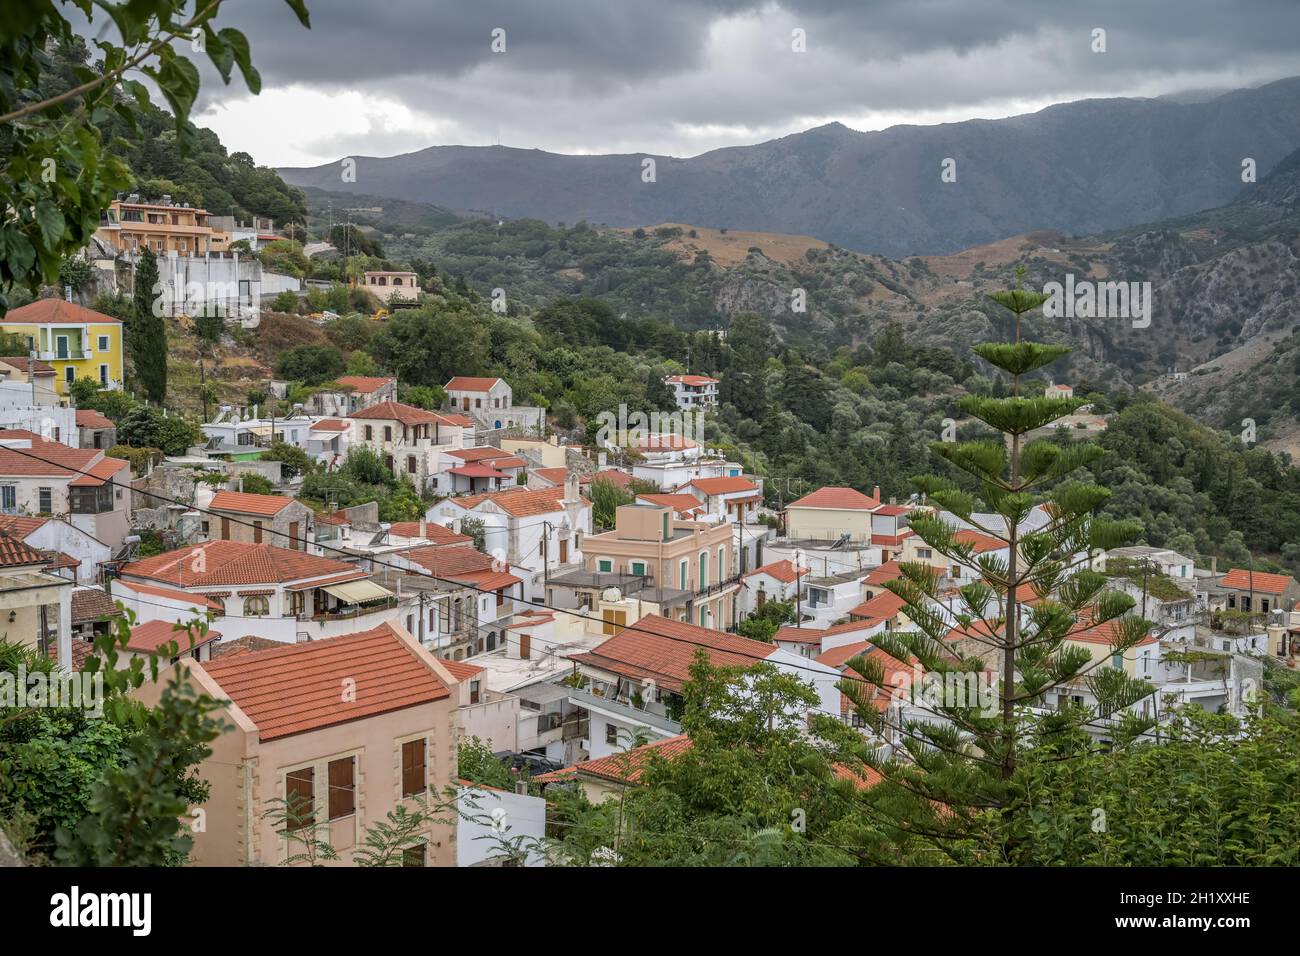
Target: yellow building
[(78, 342)]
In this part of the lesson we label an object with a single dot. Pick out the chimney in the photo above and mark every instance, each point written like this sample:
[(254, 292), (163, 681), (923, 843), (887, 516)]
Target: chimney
[(1214, 564), (570, 487), (241, 483), (67, 293), (424, 527), (875, 492)]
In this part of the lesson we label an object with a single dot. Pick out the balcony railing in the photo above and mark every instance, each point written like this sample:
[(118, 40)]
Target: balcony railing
[(347, 615)]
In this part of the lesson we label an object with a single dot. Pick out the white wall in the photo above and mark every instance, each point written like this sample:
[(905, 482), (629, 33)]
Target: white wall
[(514, 815)]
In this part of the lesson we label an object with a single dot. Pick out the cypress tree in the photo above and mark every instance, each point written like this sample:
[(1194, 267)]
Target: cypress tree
[(146, 333)]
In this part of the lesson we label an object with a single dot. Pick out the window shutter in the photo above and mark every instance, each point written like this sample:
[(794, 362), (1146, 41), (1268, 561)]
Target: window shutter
[(413, 778), (343, 792)]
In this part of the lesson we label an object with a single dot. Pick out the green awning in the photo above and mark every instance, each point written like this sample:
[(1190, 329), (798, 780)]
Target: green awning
[(358, 592)]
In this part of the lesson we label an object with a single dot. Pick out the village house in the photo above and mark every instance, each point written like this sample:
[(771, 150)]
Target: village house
[(276, 519), (831, 513), (490, 403), (736, 499), (166, 227), (1258, 592), (409, 440), (477, 470), (693, 391), (1158, 560), (328, 441), (542, 531), (30, 401), (1058, 391), (778, 581), (394, 287), (35, 606), (633, 681), (350, 394), (94, 429), (47, 478), (79, 556), (685, 567), (77, 342), (470, 621), (263, 590), (336, 761)]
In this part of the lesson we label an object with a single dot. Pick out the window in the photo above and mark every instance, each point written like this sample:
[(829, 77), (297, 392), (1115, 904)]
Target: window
[(605, 564), (682, 572), (415, 855), (8, 498), (611, 735), (219, 602), (103, 343), (103, 375), (388, 433), (614, 621), (300, 798), (46, 498), (370, 433), (257, 532), (343, 787), (413, 776), (256, 606), (474, 685), (704, 569), (638, 568), (923, 553), (69, 374), (411, 466)]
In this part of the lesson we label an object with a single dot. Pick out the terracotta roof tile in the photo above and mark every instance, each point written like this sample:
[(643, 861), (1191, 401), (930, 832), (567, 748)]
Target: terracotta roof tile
[(298, 688), (520, 502), (247, 503), (231, 562), (840, 499), (881, 607), (783, 571), (363, 384), (468, 383), (397, 412), (147, 638), (92, 604), (56, 311), (662, 649), (1241, 578), (89, 418), (721, 486)]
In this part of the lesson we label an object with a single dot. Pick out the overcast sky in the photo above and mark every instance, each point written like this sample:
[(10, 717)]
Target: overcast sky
[(680, 78)]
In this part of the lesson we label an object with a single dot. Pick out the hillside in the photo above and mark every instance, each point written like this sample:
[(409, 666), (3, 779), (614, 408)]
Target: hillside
[(881, 191)]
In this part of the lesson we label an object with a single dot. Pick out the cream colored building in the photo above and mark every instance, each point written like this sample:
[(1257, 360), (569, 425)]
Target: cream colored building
[(370, 724), (829, 512), (35, 606)]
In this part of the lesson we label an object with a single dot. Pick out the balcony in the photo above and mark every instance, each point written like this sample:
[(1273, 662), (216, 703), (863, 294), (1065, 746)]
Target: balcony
[(625, 711), (349, 612), (69, 354)]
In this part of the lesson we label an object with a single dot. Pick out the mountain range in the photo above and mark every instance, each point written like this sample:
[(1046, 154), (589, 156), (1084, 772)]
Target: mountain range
[(1078, 168)]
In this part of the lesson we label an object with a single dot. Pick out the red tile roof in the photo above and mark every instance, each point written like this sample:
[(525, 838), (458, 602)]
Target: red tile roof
[(92, 604), (56, 311), (692, 379), (815, 635), (89, 418), (467, 383), (104, 470), (889, 571), (1105, 633), (231, 562), (477, 471), (840, 499), (623, 767), (330, 425), (1241, 578), (461, 563), (81, 649), (147, 638), (435, 533), (720, 486), (363, 384), (481, 453), (20, 526), (15, 553), (299, 688), (198, 600), (881, 607), (662, 649), (981, 542), (783, 571), (520, 502), (462, 670), (555, 476), (23, 364), (397, 412), (837, 657), (247, 503), (47, 458)]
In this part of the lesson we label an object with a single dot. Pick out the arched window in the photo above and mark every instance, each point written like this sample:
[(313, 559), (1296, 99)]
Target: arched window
[(220, 603), (256, 606), (704, 570)]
